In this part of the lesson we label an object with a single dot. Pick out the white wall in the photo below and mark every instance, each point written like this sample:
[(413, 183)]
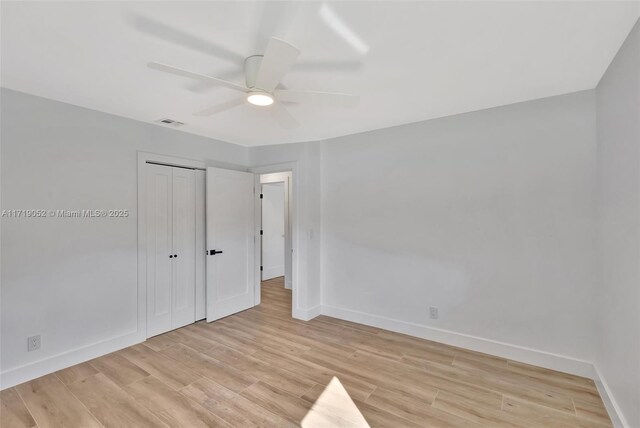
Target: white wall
[(273, 230), (74, 280), (618, 312), (489, 216)]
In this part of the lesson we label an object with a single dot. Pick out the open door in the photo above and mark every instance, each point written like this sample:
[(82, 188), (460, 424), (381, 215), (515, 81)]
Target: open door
[(230, 242)]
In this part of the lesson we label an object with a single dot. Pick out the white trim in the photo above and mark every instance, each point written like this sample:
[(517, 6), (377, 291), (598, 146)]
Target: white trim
[(296, 310), (613, 409), (307, 314), (201, 245), (66, 359), (275, 177), (501, 349), (257, 241), (170, 160), (143, 158)]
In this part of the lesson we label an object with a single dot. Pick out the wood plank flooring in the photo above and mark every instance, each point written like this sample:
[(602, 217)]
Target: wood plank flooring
[(261, 368)]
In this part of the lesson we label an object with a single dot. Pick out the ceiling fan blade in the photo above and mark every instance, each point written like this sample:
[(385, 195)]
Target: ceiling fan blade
[(180, 37), (197, 76), (346, 65), (270, 19), (283, 117), (278, 59), (220, 107), (200, 86), (326, 98)]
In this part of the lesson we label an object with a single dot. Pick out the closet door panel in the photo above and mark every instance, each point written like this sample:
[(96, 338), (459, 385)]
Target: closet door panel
[(159, 247), (184, 241)]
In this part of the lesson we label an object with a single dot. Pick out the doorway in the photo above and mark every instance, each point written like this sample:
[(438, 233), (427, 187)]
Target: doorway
[(275, 233)]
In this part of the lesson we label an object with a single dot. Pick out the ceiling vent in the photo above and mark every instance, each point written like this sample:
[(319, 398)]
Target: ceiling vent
[(170, 122)]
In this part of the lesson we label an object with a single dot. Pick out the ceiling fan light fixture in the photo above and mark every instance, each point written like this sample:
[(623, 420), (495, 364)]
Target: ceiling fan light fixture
[(261, 99)]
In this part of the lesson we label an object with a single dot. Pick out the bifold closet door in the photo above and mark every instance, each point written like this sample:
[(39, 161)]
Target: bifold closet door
[(170, 248), (184, 245), (159, 247)]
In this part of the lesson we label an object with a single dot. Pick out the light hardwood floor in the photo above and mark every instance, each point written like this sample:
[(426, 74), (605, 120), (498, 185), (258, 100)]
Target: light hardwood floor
[(262, 368)]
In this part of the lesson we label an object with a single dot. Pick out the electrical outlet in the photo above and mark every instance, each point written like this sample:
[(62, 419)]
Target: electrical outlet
[(33, 343), (433, 312)]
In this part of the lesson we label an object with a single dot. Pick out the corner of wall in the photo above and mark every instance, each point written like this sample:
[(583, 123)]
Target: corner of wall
[(613, 408)]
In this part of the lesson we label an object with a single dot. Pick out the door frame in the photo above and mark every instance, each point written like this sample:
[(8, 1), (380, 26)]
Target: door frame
[(285, 178), (143, 158), (291, 167)]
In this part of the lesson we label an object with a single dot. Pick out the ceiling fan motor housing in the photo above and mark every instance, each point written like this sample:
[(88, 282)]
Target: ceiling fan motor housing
[(251, 68)]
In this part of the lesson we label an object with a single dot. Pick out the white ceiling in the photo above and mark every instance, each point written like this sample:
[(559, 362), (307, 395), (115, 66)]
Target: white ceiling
[(424, 59)]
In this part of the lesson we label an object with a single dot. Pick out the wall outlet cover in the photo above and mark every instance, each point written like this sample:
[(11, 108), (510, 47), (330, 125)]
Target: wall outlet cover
[(433, 312), (33, 343)]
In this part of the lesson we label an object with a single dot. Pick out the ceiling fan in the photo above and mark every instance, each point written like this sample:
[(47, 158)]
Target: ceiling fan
[(263, 73)]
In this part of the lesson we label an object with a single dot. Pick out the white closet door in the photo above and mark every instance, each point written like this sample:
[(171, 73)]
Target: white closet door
[(159, 248), (230, 241), (184, 244)]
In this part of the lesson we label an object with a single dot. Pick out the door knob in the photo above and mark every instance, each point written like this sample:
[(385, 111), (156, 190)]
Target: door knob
[(214, 252)]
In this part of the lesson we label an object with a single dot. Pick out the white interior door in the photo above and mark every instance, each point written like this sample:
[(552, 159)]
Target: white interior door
[(159, 248), (230, 242), (273, 230), (184, 244)]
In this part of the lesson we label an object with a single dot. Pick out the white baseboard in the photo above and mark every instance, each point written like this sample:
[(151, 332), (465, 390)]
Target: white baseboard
[(614, 410), (501, 349), (307, 314), (272, 272), (66, 359)]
